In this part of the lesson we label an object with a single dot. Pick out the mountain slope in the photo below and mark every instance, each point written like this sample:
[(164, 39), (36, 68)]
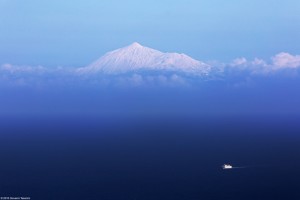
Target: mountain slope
[(136, 57)]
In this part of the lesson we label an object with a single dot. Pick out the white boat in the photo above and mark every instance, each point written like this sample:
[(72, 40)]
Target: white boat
[(227, 166)]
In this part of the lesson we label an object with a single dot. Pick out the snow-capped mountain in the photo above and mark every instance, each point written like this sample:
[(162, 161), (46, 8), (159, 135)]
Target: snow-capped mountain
[(136, 57)]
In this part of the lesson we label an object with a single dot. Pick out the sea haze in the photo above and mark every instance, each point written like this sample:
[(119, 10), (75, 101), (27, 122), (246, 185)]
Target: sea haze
[(152, 142)]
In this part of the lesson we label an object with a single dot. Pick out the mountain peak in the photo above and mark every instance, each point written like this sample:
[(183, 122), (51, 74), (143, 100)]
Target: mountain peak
[(135, 44), (136, 57)]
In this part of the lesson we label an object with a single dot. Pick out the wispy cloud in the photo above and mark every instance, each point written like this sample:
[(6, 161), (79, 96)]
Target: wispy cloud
[(137, 80), (13, 69)]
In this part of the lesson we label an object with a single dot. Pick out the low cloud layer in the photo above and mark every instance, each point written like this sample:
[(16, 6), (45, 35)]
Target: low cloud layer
[(39, 76)]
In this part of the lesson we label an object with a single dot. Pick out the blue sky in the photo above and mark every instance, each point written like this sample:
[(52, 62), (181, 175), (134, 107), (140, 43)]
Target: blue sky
[(76, 32)]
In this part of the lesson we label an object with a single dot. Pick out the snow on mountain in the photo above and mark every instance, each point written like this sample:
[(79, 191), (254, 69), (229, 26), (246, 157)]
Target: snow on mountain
[(136, 57)]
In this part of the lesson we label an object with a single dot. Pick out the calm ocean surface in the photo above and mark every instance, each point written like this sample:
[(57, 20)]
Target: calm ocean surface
[(98, 158)]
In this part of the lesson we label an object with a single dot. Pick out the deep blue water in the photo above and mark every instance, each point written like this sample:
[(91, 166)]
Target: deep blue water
[(98, 158)]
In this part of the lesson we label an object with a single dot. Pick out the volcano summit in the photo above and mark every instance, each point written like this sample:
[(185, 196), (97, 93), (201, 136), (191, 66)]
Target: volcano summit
[(136, 58)]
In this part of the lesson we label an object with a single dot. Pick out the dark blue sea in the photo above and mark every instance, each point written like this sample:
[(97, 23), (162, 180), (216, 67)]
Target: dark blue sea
[(150, 157)]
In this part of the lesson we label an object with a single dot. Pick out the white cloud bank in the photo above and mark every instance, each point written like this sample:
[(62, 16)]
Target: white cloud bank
[(286, 60), (14, 75), (278, 62)]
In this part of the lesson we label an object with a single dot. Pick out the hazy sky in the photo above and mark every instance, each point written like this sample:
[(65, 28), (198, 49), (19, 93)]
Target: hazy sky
[(76, 32)]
